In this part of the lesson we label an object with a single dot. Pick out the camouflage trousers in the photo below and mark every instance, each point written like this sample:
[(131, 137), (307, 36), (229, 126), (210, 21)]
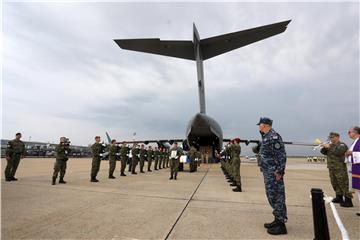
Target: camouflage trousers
[(160, 162), (59, 166), (174, 167), (12, 166), (129, 162), (156, 163), (95, 166), (142, 163), (236, 171), (167, 162), (134, 163), (149, 163), (123, 164), (164, 162), (193, 165), (340, 181), (230, 168), (112, 165), (275, 193)]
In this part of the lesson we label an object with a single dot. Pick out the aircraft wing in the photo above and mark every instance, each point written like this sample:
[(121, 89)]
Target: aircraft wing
[(146, 142), (179, 49), (247, 142), (217, 45)]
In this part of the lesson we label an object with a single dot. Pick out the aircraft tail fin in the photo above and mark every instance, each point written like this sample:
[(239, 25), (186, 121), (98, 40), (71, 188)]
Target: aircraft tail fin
[(108, 137)]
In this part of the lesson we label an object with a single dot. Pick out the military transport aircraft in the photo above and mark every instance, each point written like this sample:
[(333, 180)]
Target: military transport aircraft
[(202, 131)]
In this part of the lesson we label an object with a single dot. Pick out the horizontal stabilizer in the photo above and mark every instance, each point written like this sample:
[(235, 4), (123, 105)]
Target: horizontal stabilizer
[(214, 46), (179, 49)]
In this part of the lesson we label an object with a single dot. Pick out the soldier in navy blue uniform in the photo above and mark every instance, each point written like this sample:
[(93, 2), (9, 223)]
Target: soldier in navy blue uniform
[(273, 161)]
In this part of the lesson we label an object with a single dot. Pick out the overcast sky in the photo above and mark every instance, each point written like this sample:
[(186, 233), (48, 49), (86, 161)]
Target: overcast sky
[(63, 75)]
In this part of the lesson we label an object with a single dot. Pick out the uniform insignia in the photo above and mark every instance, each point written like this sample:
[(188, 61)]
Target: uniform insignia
[(277, 146)]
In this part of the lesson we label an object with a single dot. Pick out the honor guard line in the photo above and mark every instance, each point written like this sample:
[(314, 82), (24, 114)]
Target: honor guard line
[(202, 131)]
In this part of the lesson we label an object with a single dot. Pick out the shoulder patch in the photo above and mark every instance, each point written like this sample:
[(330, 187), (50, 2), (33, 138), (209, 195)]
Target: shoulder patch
[(277, 145)]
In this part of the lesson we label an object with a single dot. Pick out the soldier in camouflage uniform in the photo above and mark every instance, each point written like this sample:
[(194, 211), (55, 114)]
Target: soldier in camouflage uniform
[(135, 152), (123, 158), (165, 153), (273, 161), (192, 155), (236, 164), (62, 155), (335, 152), (156, 157), (175, 154), (150, 157), (143, 156), (129, 157), (197, 158), (97, 150), (229, 166), (161, 157), (256, 150), (14, 152), (113, 151), (167, 158)]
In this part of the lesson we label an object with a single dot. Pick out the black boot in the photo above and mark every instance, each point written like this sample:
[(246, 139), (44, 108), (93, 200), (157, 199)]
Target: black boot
[(233, 185), (93, 179), (8, 179), (13, 179), (123, 174), (278, 228), (338, 199), (237, 189), (358, 214), (53, 181), (149, 170), (111, 177), (270, 225), (133, 173), (347, 203), (171, 177), (62, 181)]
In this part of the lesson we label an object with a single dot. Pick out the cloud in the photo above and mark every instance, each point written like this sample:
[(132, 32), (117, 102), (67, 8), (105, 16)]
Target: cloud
[(64, 74)]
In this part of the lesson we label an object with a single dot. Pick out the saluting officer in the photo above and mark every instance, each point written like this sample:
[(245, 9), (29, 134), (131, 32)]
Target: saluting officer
[(14, 152), (113, 150), (62, 155), (97, 152), (273, 161)]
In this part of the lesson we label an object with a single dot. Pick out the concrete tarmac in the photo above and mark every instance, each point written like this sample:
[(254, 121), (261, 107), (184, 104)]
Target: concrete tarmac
[(198, 205)]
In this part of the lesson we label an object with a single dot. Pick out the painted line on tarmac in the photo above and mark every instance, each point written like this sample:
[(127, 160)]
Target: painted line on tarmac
[(186, 205)]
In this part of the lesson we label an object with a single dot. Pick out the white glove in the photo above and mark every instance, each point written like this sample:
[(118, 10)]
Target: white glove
[(101, 154)]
